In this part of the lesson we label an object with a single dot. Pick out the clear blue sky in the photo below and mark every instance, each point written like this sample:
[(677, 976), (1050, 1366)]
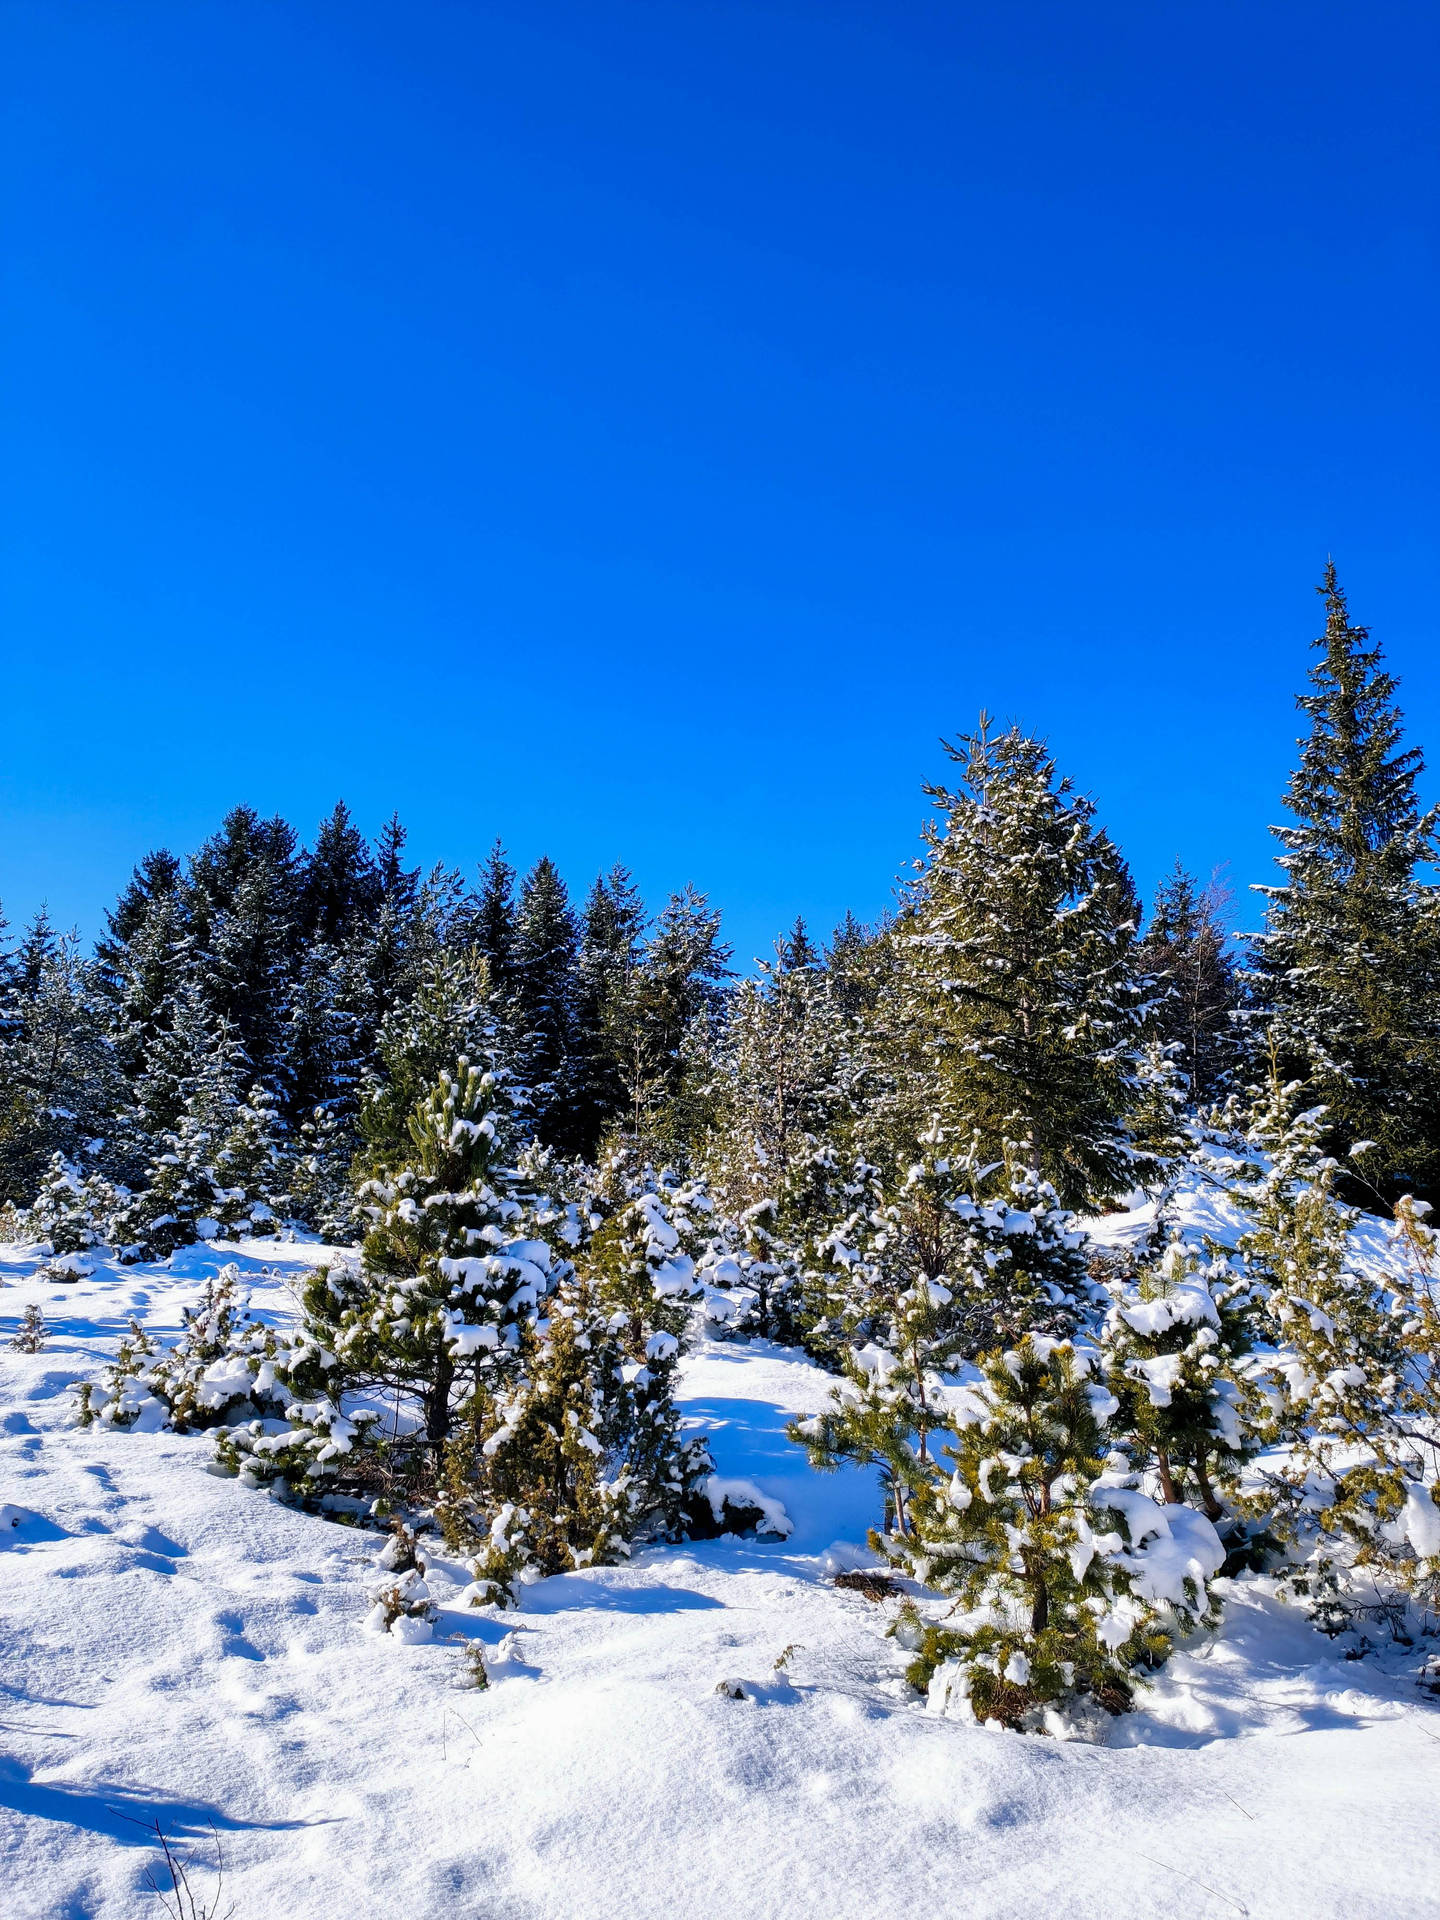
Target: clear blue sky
[(641, 430)]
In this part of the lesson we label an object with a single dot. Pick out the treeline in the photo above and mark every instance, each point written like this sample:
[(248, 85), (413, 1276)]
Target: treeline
[(218, 1048)]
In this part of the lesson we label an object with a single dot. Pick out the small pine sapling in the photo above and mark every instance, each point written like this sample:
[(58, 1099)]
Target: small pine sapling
[(31, 1334), (1174, 1342)]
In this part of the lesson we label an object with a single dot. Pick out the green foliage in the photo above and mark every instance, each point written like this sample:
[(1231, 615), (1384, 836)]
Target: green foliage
[(1195, 988), (1042, 1537), (225, 1363), (1175, 1343), (1016, 1007), (1349, 965)]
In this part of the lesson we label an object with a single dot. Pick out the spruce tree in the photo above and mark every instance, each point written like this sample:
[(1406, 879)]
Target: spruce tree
[(490, 920), (59, 1083), (542, 1001), (785, 1073), (1196, 991), (1349, 964), (338, 885), (661, 1023), (1015, 1006), (1174, 1342), (607, 962)]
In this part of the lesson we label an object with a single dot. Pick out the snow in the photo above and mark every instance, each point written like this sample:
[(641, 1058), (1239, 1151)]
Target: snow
[(173, 1646)]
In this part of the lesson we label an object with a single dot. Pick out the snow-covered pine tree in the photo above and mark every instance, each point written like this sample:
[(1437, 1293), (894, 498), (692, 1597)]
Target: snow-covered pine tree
[(59, 1085), (585, 1452), (489, 921), (243, 898), (251, 1166), (784, 1071), (321, 1194), (451, 1012), (1196, 990), (223, 1367), (432, 1312), (1349, 963), (179, 1199), (1016, 1006), (142, 964), (74, 1212), (1353, 1371), (915, 1283), (1071, 1577), (663, 1024), (1175, 1341), (32, 1333)]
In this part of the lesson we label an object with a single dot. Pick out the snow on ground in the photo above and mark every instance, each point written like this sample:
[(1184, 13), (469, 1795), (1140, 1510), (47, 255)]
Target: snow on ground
[(175, 1648)]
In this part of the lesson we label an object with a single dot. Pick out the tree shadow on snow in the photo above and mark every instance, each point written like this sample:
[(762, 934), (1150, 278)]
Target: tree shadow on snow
[(563, 1592), (125, 1814)]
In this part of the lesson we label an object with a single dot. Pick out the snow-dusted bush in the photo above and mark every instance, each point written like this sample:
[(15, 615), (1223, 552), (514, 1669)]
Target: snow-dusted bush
[(225, 1364)]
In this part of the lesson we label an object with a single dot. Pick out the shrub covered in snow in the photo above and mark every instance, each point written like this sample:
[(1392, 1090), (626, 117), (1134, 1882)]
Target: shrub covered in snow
[(225, 1364)]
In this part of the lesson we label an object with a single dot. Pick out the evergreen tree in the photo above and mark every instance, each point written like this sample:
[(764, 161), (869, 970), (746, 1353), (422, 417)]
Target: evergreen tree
[(338, 885), (59, 1085), (1349, 963), (677, 994), (1196, 990), (1047, 1544), (1174, 1344), (785, 1076), (607, 962), (490, 921), (546, 939), (250, 1166), (435, 1305), (1015, 1006)]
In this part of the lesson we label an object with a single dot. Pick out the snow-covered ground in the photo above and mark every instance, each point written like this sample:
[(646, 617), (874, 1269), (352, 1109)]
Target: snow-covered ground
[(173, 1647)]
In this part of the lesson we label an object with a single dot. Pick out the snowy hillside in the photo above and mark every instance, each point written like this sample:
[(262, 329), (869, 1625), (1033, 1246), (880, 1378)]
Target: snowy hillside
[(176, 1648)]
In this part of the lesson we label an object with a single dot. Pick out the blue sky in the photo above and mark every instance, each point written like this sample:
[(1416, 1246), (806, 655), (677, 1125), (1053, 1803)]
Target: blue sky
[(641, 431)]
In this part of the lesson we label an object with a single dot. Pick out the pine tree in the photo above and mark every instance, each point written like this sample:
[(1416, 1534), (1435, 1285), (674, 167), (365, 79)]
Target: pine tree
[(181, 1198), (1196, 990), (542, 1001), (59, 1085), (1015, 1004), (607, 962), (320, 1188), (73, 1212), (677, 994), (243, 900), (338, 888), (785, 1073), (433, 1311), (913, 1283), (1174, 1344), (490, 924), (1350, 959), (1351, 1369), (1048, 1545), (250, 1166)]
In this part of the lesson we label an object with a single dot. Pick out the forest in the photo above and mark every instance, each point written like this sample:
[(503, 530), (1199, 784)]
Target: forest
[(537, 1133)]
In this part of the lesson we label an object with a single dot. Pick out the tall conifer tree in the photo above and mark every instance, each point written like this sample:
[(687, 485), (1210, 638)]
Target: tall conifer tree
[(1350, 959)]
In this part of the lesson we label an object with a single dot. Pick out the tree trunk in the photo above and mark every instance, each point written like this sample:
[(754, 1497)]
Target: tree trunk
[(1040, 1610), (437, 1401), (1209, 1500)]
